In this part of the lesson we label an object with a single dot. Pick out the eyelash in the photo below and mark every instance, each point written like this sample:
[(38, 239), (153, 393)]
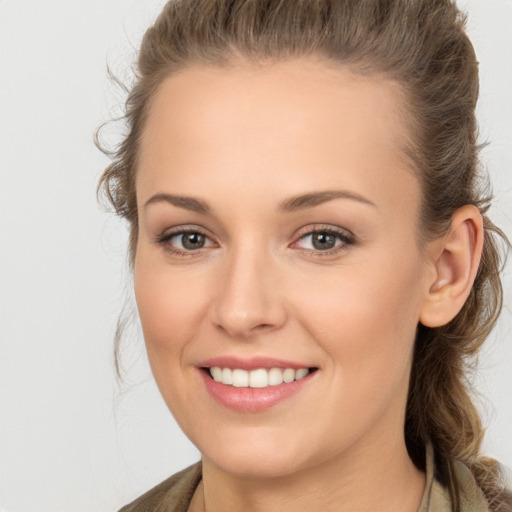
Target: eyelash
[(164, 239), (345, 237)]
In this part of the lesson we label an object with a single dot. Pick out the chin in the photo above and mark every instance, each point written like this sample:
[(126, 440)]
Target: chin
[(257, 456), (264, 466)]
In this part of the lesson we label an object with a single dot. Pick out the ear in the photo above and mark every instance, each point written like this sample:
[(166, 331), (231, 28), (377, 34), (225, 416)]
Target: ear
[(455, 259)]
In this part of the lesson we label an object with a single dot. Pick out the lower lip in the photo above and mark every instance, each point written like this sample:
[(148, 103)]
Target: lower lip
[(252, 399)]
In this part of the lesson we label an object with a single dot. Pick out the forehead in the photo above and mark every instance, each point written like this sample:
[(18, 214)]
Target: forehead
[(273, 123)]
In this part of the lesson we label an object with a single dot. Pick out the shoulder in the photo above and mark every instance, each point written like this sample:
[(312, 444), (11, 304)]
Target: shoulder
[(171, 495)]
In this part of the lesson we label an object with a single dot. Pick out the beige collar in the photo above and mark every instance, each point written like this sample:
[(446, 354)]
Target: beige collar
[(436, 497)]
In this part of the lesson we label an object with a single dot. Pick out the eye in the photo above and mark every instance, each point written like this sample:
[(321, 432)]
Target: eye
[(324, 240), (185, 240)]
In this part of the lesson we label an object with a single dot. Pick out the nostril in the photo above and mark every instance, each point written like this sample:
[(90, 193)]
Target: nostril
[(261, 327)]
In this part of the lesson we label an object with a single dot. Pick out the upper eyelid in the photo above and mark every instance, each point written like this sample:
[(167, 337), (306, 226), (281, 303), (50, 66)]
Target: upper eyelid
[(309, 230), (178, 230)]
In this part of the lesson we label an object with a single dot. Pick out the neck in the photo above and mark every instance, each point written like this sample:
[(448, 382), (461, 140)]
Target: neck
[(379, 476)]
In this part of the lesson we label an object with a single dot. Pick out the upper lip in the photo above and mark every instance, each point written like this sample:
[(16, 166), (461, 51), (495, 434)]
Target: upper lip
[(252, 363)]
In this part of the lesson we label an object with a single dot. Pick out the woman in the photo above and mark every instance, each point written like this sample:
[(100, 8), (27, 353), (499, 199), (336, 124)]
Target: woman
[(313, 264)]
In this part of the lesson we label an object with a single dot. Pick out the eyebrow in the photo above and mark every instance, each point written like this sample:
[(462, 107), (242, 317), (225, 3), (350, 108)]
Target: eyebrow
[(292, 204), (188, 203), (312, 199)]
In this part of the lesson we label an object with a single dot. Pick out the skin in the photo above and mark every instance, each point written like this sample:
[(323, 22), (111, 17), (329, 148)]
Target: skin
[(244, 139)]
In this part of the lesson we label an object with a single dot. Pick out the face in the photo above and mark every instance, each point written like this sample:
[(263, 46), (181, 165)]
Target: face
[(279, 251)]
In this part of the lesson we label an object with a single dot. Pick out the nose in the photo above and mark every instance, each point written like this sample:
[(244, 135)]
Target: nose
[(247, 300)]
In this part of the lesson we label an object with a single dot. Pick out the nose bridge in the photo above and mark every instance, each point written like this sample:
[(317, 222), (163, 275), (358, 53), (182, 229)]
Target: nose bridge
[(246, 300)]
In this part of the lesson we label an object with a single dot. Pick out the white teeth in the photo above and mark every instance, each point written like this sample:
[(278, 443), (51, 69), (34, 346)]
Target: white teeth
[(216, 374), (300, 374), (289, 375), (275, 377), (260, 378), (240, 378), (227, 376)]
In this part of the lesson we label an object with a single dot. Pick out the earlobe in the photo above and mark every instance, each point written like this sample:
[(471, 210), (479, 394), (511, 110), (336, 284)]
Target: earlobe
[(455, 257)]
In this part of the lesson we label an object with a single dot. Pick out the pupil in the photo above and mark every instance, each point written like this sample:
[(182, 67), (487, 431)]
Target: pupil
[(323, 241), (193, 240)]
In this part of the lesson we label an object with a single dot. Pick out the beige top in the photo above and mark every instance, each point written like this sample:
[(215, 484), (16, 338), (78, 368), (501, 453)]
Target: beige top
[(175, 493), (436, 497)]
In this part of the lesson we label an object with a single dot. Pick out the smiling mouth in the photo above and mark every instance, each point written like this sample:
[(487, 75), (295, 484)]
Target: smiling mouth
[(258, 378)]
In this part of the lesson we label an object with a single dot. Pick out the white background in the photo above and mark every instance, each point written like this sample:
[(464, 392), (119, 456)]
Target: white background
[(69, 440)]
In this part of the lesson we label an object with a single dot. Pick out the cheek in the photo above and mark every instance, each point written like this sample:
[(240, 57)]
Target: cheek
[(365, 319), (170, 305)]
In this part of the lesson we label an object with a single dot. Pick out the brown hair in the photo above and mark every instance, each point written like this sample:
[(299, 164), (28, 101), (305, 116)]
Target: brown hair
[(422, 45)]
